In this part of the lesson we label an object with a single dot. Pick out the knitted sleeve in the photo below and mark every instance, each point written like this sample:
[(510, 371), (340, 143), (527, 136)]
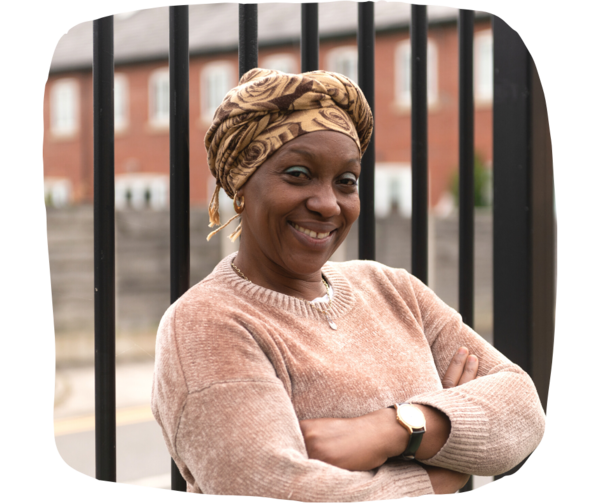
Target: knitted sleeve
[(231, 427), (497, 420)]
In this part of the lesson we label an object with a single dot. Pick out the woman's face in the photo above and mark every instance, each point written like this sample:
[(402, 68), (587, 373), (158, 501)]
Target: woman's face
[(301, 203)]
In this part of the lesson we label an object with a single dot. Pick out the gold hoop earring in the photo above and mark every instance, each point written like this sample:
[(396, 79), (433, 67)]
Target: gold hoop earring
[(238, 206)]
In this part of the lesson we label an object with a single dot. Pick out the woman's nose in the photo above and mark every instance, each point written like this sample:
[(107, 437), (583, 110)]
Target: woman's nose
[(324, 202)]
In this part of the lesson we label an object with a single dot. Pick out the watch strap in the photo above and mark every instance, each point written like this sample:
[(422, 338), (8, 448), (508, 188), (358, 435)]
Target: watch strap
[(415, 436)]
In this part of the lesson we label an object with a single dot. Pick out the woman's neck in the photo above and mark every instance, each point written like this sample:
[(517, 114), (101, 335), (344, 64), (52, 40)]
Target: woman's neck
[(269, 274)]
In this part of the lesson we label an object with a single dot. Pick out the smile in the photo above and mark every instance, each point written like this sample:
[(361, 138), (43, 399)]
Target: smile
[(312, 234)]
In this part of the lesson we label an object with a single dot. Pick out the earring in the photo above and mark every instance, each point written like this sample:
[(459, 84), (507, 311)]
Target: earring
[(238, 206)]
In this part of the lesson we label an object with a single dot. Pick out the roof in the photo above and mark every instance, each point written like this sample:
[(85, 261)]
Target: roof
[(144, 35)]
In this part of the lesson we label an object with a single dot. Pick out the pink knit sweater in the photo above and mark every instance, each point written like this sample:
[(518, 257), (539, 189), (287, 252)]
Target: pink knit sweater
[(237, 365)]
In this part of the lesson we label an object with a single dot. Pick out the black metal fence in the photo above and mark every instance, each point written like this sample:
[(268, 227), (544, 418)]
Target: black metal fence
[(524, 224)]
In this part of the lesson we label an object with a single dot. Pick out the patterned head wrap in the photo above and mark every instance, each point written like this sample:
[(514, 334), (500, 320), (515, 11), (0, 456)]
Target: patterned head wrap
[(269, 108)]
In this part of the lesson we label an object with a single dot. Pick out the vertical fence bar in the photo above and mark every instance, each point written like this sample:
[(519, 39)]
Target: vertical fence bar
[(104, 249), (248, 38), (179, 186), (524, 232), (309, 38), (512, 251), (466, 167), (366, 81), (466, 133), (511, 195), (420, 188)]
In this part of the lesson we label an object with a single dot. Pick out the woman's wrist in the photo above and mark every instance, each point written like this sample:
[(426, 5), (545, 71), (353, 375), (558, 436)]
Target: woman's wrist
[(395, 437), (437, 430)]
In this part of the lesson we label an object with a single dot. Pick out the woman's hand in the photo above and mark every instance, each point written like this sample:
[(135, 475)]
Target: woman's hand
[(359, 443), (461, 370), (445, 481)]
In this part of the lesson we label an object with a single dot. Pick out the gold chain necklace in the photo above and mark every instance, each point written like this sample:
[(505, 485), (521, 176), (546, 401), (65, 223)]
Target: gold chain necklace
[(324, 311)]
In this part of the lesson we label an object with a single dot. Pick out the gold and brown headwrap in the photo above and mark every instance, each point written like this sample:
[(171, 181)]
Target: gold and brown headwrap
[(269, 108)]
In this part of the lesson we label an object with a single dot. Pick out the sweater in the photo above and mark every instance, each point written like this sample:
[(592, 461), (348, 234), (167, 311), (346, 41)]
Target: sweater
[(238, 365)]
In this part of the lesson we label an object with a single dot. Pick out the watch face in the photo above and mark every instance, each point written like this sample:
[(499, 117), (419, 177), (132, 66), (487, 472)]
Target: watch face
[(412, 416)]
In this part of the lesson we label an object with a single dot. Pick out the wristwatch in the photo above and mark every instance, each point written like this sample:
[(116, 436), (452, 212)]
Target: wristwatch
[(411, 418)]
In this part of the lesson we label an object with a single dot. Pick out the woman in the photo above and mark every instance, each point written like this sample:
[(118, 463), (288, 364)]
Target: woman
[(283, 375)]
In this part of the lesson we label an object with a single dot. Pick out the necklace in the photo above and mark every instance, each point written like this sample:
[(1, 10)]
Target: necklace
[(324, 311)]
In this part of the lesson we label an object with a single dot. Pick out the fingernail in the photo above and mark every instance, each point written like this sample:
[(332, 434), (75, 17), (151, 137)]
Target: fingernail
[(462, 351), (472, 358)]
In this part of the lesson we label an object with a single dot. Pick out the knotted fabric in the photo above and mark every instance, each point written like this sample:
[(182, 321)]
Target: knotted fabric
[(267, 109)]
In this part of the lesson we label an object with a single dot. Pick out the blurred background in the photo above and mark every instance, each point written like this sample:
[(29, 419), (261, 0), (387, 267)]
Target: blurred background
[(141, 96)]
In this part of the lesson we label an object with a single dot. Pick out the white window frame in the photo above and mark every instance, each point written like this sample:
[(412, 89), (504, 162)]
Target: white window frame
[(336, 57), (57, 192), (283, 62), (64, 107), (208, 103), (390, 176), (138, 185), (158, 82), (121, 97), (402, 69), (483, 67)]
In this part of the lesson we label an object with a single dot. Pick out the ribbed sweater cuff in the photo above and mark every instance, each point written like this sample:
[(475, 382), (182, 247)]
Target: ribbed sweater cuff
[(408, 479), (469, 429)]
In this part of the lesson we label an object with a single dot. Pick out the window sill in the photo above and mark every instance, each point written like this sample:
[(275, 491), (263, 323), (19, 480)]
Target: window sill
[(63, 137), (204, 122), (484, 103), (156, 127), (404, 109)]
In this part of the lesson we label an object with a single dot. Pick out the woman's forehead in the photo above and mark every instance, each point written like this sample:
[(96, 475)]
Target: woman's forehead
[(317, 144)]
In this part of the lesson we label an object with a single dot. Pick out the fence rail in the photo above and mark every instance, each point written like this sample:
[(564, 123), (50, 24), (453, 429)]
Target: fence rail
[(524, 230)]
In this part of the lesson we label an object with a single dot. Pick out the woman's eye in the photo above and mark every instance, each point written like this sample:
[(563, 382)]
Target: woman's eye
[(297, 171), (348, 179)]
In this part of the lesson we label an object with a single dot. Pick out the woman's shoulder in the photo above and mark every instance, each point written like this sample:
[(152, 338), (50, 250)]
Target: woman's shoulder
[(370, 271), (209, 299), (362, 273)]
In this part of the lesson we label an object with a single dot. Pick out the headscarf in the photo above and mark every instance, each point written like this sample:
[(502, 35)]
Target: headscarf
[(267, 109)]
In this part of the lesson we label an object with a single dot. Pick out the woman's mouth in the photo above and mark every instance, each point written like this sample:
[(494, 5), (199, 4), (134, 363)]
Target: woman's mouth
[(312, 234), (318, 239)]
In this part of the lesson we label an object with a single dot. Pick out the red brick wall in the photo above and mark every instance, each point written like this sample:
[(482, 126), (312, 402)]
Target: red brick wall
[(144, 148)]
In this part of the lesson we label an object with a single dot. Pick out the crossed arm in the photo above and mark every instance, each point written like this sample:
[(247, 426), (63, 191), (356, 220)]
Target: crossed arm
[(366, 442)]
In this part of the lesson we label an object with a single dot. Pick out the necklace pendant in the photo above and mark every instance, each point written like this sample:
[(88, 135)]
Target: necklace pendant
[(331, 323)]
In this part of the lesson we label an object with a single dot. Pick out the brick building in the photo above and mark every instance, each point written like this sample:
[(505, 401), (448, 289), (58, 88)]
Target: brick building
[(142, 99)]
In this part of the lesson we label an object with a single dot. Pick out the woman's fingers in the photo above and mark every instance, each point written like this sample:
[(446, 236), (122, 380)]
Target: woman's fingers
[(462, 369), (470, 371)]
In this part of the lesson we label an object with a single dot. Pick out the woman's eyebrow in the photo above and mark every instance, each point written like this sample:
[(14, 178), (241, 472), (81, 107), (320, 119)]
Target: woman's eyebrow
[(314, 156)]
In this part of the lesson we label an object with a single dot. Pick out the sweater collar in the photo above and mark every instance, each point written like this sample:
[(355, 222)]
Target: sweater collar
[(343, 299)]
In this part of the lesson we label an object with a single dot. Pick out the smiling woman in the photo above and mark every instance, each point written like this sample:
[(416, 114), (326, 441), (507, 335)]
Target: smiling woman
[(284, 375), (299, 207)]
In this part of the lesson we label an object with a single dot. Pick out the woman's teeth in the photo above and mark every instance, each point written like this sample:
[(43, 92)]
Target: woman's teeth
[(312, 234)]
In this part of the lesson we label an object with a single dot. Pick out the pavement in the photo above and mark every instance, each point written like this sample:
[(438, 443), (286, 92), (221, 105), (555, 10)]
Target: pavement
[(142, 458), (75, 388)]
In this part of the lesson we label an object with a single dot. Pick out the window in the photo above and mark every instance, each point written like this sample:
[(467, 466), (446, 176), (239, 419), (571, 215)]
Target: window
[(121, 102), (57, 192), (344, 60), (217, 81), (283, 62), (484, 67), (141, 191), (159, 98), (64, 107), (393, 189), (402, 66)]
